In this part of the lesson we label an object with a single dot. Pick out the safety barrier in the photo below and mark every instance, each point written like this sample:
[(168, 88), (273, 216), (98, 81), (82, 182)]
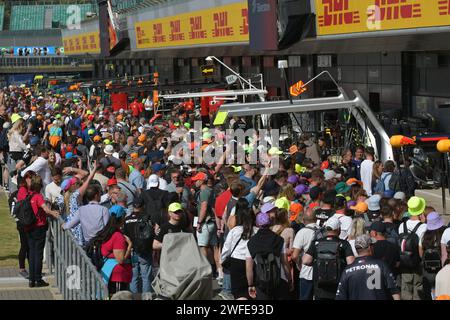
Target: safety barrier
[(75, 275)]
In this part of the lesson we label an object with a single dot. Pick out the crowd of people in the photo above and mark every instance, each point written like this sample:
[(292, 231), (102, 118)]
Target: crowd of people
[(316, 229)]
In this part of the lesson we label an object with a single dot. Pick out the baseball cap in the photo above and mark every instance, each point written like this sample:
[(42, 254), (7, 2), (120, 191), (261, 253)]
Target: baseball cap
[(158, 167), (360, 207), (274, 151), (301, 189), (333, 223), (330, 174), (353, 181), (174, 207), (374, 202), (315, 192), (117, 211), (363, 242), (111, 182), (153, 181), (97, 139), (342, 187), (295, 209), (262, 219), (91, 132), (400, 196), (282, 203), (142, 138), (299, 168), (267, 207), (378, 226), (292, 179), (70, 155), (199, 176)]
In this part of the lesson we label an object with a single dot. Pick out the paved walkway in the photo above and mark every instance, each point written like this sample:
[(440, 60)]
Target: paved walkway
[(15, 287)]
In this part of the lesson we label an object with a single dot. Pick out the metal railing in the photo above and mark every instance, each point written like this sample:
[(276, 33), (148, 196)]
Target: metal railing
[(43, 61), (75, 275)]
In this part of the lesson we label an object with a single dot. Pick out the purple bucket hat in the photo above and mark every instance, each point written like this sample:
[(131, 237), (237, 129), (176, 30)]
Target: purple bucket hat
[(434, 221), (301, 189), (262, 219), (267, 207), (293, 179)]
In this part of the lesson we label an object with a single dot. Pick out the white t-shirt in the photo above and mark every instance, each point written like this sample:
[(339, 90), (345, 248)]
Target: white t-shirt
[(52, 191), (411, 224), (346, 225), (445, 236), (443, 281), (232, 239), (302, 241), (366, 175)]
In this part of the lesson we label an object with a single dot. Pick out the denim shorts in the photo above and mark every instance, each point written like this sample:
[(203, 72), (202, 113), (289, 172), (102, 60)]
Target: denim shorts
[(208, 236)]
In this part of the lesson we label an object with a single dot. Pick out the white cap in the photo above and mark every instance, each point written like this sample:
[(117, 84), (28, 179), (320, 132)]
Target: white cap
[(116, 155), (141, 129), (400, 196), (153, 181), (329, 174), (333, 223), (109, 149), (171, 157), (268, 199)]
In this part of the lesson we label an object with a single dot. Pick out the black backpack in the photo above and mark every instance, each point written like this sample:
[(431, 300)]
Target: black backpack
[(143, 233), (268, 272), (392, 235), (328, 263), (94, 252), (23, 212), (409, 247), (432, 259)]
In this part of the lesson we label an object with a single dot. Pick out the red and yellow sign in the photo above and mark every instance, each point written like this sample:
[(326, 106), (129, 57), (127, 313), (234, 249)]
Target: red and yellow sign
[(297, 89), (351, 16), (216, 25), (82, 44)]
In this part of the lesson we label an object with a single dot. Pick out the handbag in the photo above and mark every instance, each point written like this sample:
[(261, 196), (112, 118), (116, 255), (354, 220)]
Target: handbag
[(227, 262)]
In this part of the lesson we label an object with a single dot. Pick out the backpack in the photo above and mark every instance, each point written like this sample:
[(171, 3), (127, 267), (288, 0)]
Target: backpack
[(328, 263), (23, 212), (409, 247), (380, 186), (144, 234), (319, 233), (94, 252), (402, 180), (4, 142), (268, 271), (392, 235), (432, 259)]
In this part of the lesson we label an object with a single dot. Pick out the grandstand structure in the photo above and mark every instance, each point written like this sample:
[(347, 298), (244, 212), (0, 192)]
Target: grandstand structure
[(42, 15)]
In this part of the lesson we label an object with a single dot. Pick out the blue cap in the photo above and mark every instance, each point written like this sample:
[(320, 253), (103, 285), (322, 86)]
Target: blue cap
[(70, 155), (117, 211), (158, 167)]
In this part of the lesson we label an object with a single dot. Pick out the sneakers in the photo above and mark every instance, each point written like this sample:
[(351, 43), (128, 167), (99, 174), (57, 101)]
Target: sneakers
[(24, 273), (38, 284), (220, 281), (225, 295)]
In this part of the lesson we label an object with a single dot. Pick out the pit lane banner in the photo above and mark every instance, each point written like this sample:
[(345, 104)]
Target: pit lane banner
[(223, 24), (352, 16), (82, 43)]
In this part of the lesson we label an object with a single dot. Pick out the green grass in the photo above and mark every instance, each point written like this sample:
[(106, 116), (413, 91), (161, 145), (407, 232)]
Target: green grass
[(9, 237)]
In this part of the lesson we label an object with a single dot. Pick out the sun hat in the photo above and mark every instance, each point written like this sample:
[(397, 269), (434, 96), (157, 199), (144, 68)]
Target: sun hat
[(174, 207), (360, 207), (15, 117), (282, 203), (117, 211), (267, 207), (342, 187), (262, 219), (434, 221), (374, 202), (416, 206), (109, 149)]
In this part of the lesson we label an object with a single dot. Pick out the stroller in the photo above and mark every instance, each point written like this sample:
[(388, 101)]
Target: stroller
[(184, 273)]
